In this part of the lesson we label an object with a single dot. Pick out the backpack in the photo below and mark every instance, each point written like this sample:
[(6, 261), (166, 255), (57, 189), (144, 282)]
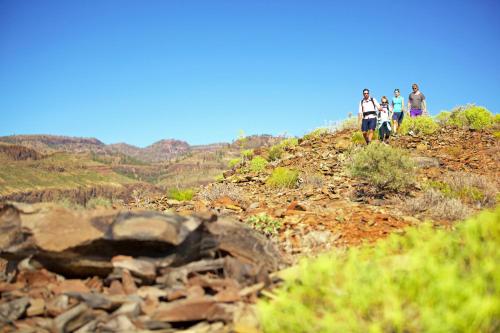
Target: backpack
[(367, 113)]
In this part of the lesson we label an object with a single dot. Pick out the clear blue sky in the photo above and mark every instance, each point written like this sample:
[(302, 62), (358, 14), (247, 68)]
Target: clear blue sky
[(201, 71)]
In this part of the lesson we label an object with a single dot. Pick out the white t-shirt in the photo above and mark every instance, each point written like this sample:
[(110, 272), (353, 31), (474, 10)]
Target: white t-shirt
[(367, 105), (384, 114)]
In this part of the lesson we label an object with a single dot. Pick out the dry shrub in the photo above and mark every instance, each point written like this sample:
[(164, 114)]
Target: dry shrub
[(473, 189), (312, 179), (437, 206), (220, 190)]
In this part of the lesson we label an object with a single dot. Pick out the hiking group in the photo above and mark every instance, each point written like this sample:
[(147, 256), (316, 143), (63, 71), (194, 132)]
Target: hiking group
[(372, 113)]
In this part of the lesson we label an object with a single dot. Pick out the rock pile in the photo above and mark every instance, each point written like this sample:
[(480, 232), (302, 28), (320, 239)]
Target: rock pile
[(116, 271)]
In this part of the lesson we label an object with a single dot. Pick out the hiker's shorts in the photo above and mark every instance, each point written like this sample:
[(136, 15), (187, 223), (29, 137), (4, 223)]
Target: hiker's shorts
[(368, 124), (398, 116), (415, 113)]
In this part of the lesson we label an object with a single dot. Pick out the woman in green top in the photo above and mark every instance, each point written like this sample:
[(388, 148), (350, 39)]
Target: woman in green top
[(397, 109)]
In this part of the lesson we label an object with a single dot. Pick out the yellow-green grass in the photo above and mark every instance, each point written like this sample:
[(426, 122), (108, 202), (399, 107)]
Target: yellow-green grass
[(60, 170)]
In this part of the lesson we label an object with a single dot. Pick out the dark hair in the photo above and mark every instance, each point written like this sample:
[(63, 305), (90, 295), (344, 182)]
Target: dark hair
[(397, 89), (366, 89)]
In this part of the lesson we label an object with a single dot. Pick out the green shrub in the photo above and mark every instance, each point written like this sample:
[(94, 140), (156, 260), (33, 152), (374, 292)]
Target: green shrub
[(471, 116), (265, 224), (443, 117), (357, 138), (383, 166), (283, 177), (258, 164), (316, 133), (422, 125), (496, 119), (247, 154), (275, 152), (181, 194), (234, 162), (290, 142), (98, 202), (425, 281)]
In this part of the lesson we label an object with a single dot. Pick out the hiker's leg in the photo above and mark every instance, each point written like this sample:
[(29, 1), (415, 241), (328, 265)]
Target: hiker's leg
[(365, 135), (370, 136), (372, 124)]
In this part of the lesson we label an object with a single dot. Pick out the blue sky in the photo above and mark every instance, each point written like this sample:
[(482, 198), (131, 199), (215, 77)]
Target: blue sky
[(201, 71)]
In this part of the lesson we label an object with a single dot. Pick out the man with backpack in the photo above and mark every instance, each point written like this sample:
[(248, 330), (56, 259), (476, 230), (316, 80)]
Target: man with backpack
[(367, 115)]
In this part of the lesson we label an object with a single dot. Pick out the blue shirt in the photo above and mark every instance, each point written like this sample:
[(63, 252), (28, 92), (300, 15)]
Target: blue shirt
[(398, 104)]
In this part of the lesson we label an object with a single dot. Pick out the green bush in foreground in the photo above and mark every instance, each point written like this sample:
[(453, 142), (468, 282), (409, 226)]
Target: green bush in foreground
[(383, 166), (180, 194), (422, 125), (425, 281), (258, 164), (471, 116), (283, 177)]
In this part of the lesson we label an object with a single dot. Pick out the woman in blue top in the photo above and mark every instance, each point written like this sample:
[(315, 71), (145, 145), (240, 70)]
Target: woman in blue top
[(397, 109)]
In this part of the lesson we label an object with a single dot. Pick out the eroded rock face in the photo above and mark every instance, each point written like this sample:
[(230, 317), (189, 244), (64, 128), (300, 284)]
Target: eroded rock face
[(83, 243)]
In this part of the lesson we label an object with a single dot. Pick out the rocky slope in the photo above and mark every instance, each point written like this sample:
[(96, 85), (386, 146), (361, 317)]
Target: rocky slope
[(190, 266), (331, 208)]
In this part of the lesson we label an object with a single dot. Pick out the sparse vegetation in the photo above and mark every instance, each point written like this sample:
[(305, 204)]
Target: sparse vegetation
[(469, 188), (289, 142), (357, 138), (59, 170), (69, 204), (316, 133), (181, 194), (438, 206), (313, 179), (471, 116), (265, 224), (257, 164), (217, 191), (443, 117), (99, 202), (283, 178), (423, 125), (275, 153), (235, 161), (350, 123), (383, 166), (247, 154), (425, 281)]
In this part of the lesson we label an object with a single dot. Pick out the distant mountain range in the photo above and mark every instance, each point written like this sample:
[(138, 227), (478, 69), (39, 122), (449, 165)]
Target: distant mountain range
[(163, 150)]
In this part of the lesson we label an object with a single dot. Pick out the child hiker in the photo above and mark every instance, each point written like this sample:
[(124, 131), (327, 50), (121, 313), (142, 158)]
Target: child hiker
[(384, 118)]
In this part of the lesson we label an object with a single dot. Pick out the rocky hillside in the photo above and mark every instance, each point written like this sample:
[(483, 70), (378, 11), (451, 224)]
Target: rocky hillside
[(200, 270), (329, 207)]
